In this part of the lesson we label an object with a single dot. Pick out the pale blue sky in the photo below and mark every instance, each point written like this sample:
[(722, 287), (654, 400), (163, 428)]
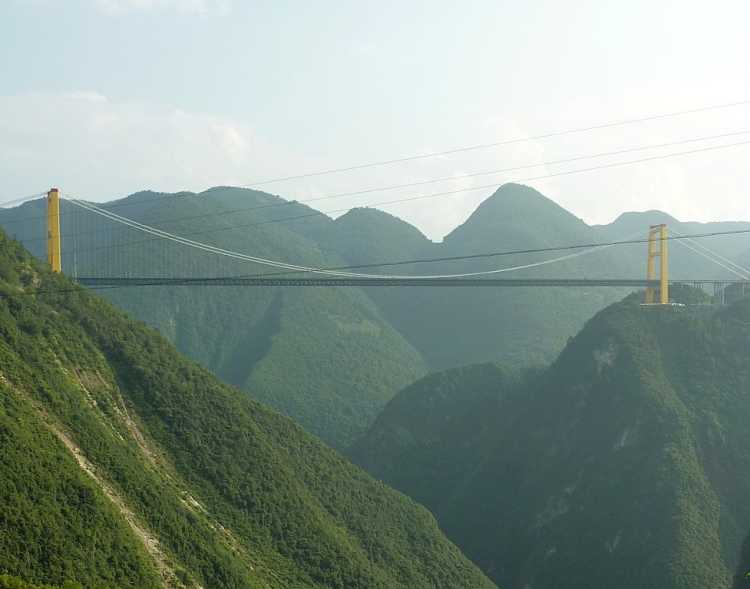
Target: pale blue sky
[(106, 97)]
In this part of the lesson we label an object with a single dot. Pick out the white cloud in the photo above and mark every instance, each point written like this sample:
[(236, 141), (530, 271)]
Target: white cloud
[(179, 6), (100, 148)]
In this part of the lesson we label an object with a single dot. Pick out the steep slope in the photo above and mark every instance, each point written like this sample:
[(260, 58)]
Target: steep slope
[(625, 464), (452, 327), (326, 358), (125, 465), (514, 326), (332, 358), (371, 235)]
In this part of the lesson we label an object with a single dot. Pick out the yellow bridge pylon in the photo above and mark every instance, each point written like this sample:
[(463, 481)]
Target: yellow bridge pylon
[(658, 234), (54, 256)]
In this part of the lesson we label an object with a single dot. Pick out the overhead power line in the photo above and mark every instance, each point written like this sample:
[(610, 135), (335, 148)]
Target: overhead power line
[(457, 150), (145, 281), (308, 269), (337, 271), (714, 260), (712, 256), (485, 255), (387, 188), (528, 166), (464, 149), (318, 214)]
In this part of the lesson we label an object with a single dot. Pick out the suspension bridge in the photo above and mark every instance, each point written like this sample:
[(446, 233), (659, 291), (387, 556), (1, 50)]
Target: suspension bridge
[(656, 281)]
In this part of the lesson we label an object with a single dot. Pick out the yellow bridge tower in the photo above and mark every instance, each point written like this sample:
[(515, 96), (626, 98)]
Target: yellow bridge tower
[(658, 234), (53, 230)]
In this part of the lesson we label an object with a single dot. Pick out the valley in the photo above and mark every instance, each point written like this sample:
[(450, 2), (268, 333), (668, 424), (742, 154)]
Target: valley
[(626, 447), (332, 358), (374, 295)]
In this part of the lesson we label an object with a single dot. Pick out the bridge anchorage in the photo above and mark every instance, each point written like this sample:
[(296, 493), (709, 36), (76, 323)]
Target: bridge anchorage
[(656, 284)]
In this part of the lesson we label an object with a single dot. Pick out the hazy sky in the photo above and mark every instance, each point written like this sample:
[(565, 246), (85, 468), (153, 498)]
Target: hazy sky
[(107, 97)]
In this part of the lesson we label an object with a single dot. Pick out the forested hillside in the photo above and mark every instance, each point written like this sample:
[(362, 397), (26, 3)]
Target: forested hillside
[(460, 326), (625, 464), (325, 357), (125, 465), (331, 358), (522, 326)]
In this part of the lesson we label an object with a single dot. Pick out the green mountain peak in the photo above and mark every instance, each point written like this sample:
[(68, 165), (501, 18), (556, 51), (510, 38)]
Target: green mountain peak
[(516, 214)]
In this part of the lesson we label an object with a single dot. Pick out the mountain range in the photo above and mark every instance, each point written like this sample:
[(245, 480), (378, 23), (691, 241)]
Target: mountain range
[(332, 358), (555, 449)]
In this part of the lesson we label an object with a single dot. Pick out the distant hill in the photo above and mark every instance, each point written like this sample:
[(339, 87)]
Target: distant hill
[(522, 326), (331, 358), (326, 357), (625, 464), (460, 326), (124, 464), (684, 262)]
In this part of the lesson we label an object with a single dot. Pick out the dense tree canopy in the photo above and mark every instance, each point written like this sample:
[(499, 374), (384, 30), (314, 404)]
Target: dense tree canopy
[(126, 465), (625, 464)]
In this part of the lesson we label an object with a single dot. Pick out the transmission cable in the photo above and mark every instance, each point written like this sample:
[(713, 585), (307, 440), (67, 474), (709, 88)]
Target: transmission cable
[(548, 135), (715, 253), (712, 256), (337, 270), (419, 183), (484, 255), (318, 214), (710, 259), (308, 269)]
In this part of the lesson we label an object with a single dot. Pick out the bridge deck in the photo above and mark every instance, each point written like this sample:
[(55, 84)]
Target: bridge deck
[(431, 282)]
